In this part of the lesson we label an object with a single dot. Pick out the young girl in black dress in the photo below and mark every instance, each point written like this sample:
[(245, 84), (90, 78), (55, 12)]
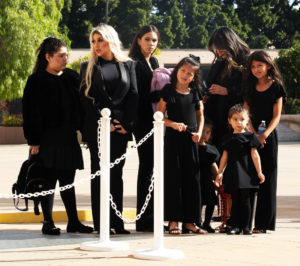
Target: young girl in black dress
[(264, 95), (208, 158), (183, 102), (240, 158)]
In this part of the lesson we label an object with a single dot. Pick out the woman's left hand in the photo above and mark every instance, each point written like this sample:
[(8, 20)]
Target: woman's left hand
[(217, 89), (196, 137), (119, 128), (262, 138)]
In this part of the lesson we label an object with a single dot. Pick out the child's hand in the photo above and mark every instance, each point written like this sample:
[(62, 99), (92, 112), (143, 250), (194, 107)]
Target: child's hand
[(218, 181), (196, 137), (261, 177), (179, 126)]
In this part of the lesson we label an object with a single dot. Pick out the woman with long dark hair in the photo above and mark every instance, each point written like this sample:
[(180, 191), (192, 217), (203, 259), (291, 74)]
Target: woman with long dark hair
[(225, 78), (142, 48), (108, 81), (51, 116)]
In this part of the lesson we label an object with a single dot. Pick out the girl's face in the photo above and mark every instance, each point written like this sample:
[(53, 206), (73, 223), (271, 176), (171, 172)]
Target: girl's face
[(148, 43), (58, 61), (259, 69), (239, 122), (185, 74), (206, 133), (101, 47)]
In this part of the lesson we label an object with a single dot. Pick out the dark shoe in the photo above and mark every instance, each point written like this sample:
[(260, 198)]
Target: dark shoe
[(121, 231), (208, 229), (190, 231), (79, 228), (247, 232), (50, 229), (233, 231)]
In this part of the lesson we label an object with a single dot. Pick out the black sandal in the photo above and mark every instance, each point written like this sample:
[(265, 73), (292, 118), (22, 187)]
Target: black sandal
[(174, 231), (259, 231), (198, 231)]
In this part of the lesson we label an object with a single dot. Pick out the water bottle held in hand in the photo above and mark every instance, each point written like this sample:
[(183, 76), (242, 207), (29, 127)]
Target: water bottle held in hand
[(262, 127)]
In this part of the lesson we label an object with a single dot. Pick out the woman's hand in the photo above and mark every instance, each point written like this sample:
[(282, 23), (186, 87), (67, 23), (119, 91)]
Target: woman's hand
[(34, 149), (179, 126), (196, 137), (218, 180), (118, 127), (217, 89), (262, 138), (85, 145)]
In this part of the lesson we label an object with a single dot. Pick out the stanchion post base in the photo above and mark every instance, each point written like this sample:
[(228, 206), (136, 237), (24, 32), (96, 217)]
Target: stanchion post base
[(158, 254), (104, 246)]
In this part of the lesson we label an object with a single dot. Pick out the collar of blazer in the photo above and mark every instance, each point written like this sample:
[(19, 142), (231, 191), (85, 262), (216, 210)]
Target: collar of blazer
[(120, 92)]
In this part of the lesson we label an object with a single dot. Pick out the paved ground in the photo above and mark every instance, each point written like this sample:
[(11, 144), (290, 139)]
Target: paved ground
[(23, 243)]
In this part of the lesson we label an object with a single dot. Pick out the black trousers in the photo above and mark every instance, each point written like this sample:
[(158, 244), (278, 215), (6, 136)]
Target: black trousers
[(118, 147), (64, 177), (241, 210), (145, 172)]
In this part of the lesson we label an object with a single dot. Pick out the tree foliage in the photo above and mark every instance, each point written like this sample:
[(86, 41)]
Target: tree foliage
[(23, 25)]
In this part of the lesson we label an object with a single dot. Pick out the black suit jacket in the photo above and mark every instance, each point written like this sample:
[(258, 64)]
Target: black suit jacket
[(123, 104)]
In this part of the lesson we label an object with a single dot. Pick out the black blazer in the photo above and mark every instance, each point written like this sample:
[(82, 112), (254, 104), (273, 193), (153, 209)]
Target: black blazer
[(123, 104), (43, 104)]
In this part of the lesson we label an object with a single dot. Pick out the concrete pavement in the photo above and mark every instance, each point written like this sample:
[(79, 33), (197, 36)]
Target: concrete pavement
[(23, 243)]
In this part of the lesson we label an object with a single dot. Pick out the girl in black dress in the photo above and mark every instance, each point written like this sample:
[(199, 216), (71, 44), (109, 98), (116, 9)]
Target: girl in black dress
[(208, 159), (143, 46), (181, 100), (264, 95), (224, 78), (241, 159), (51, 118), (108, 81)]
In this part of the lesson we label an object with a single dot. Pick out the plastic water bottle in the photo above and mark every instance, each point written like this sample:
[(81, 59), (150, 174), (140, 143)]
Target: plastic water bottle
[(262, 127)]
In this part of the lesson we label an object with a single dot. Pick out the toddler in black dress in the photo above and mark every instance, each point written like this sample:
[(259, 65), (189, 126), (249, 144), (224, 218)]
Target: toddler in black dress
[(241, 159), (208, 158)]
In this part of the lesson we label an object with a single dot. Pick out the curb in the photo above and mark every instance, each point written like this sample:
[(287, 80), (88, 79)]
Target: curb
[(58, 216)]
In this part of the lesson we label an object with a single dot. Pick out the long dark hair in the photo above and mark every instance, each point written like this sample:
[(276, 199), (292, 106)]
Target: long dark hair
[(197, 82), (249, 80), (50, 46), (135, 49), (236, 49)]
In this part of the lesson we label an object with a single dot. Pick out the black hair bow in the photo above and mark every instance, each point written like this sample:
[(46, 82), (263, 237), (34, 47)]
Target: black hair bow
[(196, 58)]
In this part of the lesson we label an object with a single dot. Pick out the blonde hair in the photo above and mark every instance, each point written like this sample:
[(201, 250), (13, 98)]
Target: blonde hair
[(111, 36)]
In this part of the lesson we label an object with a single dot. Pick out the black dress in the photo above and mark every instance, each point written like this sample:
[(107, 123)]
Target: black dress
[(261, 108), (217, 106), (208, 154), (144, 124), (240, 172), (182, 172)]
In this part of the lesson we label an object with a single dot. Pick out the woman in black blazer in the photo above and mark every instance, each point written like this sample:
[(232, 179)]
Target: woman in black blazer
[(51, 114), (108, 81), (143, 46)]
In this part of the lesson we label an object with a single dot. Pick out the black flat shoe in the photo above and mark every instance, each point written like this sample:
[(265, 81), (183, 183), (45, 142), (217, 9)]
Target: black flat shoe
[(233, 231), (50, 229), (197, 231), (121, 231), (208, 229), (247, 232), (79, 228)]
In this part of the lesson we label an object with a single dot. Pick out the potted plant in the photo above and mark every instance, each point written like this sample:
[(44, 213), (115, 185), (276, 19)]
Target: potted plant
[(11, 130)]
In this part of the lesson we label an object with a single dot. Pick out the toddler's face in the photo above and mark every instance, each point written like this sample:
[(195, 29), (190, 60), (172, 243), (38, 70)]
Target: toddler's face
[(239, 122), (206, 133)]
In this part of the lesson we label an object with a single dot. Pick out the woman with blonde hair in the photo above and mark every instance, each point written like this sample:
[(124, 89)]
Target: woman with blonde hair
[(108, 81)]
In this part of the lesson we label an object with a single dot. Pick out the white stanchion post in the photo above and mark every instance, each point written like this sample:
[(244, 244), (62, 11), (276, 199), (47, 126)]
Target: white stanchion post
[(105, 244), (158, 252)]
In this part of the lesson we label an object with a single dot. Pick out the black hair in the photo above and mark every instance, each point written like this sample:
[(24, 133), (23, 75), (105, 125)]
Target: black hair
[(135, 49), (197, 82), (50, 45)]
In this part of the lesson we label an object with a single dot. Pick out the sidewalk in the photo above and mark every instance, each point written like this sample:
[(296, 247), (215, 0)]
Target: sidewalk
[(23, 243)]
